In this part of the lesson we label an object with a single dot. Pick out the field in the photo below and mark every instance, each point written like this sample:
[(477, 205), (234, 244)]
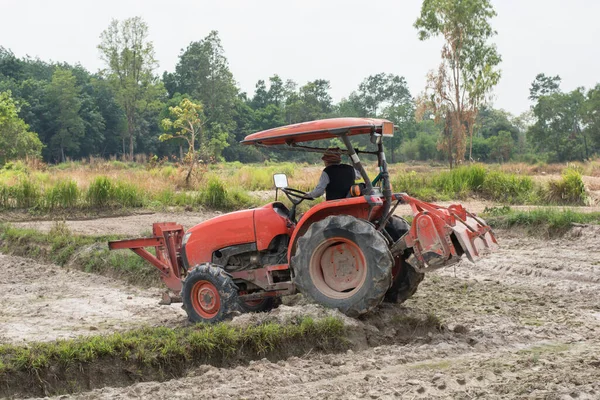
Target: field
[(78, 322)]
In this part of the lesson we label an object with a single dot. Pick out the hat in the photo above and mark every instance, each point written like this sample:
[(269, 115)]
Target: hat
[(332, 156)]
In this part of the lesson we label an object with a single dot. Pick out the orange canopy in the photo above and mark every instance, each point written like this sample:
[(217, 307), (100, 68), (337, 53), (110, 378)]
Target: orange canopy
[(320, 129)]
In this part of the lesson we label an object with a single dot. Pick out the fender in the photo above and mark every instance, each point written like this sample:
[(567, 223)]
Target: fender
[(364, 207)]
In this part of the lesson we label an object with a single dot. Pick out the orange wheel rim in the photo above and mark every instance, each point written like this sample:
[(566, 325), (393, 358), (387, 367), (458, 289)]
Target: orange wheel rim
[(338, 268), (205, 299)]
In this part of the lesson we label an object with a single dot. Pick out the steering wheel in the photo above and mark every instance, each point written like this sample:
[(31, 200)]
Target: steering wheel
[(295, 196)]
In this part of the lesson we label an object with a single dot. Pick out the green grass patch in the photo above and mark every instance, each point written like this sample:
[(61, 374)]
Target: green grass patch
[(161, 351), (465, 181), (88, 253)]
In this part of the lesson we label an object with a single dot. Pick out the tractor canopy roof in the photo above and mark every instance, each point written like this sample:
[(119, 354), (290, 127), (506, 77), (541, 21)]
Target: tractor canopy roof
[(319, 130)]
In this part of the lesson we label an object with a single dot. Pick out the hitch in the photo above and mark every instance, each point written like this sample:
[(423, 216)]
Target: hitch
[(167, 239)]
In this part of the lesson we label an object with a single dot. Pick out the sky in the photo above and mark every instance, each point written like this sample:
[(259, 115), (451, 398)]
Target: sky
[(343, 41)]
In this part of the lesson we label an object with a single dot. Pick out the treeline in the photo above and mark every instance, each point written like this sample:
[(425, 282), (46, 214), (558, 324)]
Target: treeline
[(119, 110)]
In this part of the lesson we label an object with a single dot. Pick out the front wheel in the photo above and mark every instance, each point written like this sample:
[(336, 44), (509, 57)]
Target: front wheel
[(343, 262), (209, 294)]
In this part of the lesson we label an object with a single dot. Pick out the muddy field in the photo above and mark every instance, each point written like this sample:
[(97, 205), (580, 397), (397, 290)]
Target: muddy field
[(523, 323)]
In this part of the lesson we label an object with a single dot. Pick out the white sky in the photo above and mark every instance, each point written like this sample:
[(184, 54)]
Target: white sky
[(343, 41)]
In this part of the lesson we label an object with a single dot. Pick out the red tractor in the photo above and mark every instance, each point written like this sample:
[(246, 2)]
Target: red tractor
[(350, 254)]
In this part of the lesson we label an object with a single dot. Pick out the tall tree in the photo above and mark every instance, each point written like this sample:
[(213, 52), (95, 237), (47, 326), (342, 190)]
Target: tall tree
[(203, 73), (388, 96), (558, 129), (468, 70), (64, 97), (16, 141), (591, 116), (543, 86), (129, 57)]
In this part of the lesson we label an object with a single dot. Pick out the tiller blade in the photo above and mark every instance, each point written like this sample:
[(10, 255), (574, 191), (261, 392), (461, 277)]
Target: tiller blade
[(440, 236)]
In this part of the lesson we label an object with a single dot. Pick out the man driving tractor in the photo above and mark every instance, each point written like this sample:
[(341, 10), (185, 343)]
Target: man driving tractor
[(336, 179)]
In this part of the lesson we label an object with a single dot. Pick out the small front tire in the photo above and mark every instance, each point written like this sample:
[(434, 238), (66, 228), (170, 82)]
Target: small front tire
[(209, 294)]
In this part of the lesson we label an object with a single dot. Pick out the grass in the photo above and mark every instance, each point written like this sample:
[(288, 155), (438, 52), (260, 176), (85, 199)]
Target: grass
[(570, 189), (541, 221), (88, 253), (159, 351), (99, 184), (468, 181)]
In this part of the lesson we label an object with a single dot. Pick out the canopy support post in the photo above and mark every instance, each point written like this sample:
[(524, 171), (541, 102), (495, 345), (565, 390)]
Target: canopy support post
[(357, 164)]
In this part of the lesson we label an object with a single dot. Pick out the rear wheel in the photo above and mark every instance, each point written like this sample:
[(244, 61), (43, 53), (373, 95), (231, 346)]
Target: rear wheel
[(209, 294), (343, 262)]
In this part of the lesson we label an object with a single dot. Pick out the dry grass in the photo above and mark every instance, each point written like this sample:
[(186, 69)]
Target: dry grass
[(150, 183)]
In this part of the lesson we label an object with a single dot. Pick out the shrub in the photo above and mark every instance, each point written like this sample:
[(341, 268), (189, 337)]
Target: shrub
[(127, 195), (570, 189), (215, 194), (26, 193), (64, 194), (459, 182), (5, 196), (100, 191), (507, 188)]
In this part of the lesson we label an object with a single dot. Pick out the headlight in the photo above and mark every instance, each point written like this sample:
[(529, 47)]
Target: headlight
[(185, 238)]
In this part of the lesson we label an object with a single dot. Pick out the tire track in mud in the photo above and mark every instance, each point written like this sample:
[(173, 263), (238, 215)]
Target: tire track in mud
[(522, 323)]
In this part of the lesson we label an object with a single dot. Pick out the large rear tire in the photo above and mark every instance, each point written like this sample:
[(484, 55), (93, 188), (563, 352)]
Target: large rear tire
[(343, 262), (405, 279), (209, 294)]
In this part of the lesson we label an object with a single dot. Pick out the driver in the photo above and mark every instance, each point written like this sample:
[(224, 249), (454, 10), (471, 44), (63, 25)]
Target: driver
[(336, 179)]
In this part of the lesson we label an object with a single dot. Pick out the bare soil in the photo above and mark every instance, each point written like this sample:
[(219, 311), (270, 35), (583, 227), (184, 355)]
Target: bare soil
[(522, 323), (40, 302), (129, 225)]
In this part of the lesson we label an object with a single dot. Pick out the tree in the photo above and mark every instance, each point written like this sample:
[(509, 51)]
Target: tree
[(468, 70), (203, 73), (501, 146), (69, 128), (16, 141), (558, 129), (543, 86), (591, 114), (185, 122), (381, 91), (129, 57)]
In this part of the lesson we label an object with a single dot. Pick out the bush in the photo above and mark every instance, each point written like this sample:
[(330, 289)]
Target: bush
[(215, 194), (127, 195), (460, 182), (570, 189), (64, 194), (507, 188), (5, 195), (26, 193), (100, 191)]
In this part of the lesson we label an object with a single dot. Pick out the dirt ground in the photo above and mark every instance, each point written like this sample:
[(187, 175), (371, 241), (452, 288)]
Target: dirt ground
[(41, 302), (134, 225), (522, 323)]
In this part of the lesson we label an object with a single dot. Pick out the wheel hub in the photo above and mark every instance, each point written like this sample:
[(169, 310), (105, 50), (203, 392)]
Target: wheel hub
[(206, 299), (338, 267)]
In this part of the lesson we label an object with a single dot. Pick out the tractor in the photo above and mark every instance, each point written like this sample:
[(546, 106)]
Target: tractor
[(349, 254)]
